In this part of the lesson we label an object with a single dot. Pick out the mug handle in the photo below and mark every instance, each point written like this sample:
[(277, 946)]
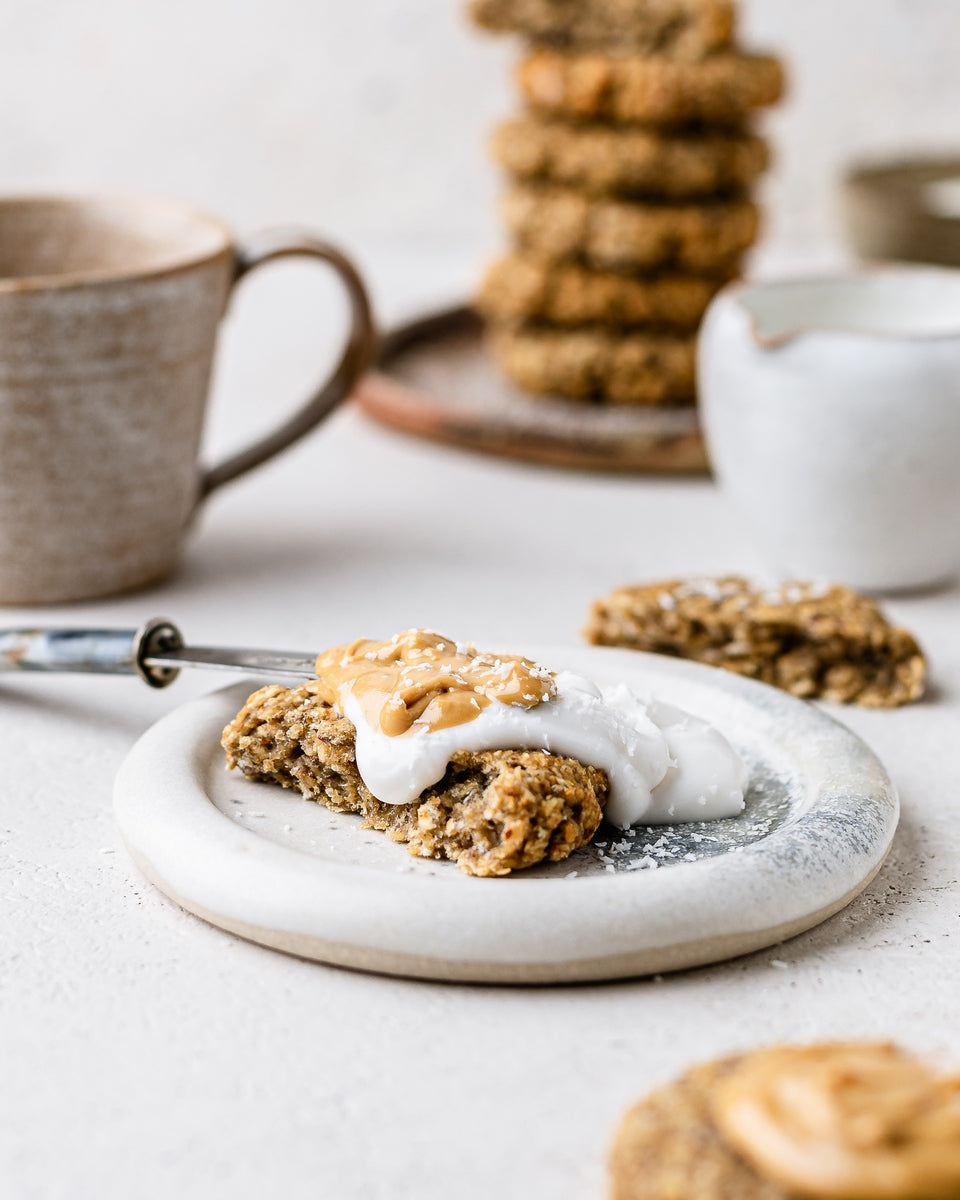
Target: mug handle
[(356, 356)]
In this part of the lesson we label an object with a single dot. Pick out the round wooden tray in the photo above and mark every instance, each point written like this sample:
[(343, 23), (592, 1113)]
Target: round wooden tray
[(434, 379)]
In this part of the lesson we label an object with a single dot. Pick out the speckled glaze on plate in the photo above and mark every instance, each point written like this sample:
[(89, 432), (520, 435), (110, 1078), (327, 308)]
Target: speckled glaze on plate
[(270, 866)]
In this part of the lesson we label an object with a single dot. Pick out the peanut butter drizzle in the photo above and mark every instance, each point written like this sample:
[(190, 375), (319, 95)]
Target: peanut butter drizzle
[(845, 1122), (426, 678)]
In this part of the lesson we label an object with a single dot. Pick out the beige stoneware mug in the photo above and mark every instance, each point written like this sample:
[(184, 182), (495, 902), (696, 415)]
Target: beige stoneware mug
[(109, 311)]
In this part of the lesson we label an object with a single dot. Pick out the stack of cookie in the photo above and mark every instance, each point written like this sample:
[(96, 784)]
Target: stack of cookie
[(629, 200)]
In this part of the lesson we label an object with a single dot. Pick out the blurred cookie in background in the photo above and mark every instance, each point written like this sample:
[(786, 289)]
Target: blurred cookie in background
[(628, 203), (632, 162), (685, 29), (840, 1121)]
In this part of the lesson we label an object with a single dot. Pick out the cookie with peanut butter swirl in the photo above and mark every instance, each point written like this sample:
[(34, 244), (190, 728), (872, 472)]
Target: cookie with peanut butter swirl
[(409, 703), (843, 1121), (490, 760), (493, 812)]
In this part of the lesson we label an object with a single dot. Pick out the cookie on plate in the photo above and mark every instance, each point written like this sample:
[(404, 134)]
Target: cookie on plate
[(597, 365), (493, 812), (559, 223), (685, 29), (519, 288), (815, 641), (721, 90), (842, 1121), (630, 162)]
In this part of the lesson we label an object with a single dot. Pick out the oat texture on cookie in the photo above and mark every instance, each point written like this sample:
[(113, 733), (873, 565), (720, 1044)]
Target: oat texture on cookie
[(493, 812), (817, 641), (383, 732), (628, 206)]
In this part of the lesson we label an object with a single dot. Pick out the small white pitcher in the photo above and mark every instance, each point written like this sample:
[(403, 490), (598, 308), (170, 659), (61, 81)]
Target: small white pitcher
[(831, 409)]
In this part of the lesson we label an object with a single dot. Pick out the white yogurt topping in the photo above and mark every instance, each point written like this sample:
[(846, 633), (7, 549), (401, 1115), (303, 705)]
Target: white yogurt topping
[(663, 765)]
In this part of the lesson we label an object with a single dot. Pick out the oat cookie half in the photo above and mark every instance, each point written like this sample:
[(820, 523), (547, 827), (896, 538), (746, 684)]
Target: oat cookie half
[(723, 89), (817, 642), (561, 224), (595, 365), (493, 812), (683, 29), (519, 288), (631, 162)]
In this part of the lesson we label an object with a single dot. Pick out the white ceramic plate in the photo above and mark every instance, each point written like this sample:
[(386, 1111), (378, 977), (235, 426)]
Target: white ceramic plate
[(264, 863)]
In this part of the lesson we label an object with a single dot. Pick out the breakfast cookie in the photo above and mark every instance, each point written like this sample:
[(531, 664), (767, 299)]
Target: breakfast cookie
[(722, 89), (668, 1147), (818, 642), (558, 223), (683, 29), (593, 364), (493, 812), (840, 1121), (518, 288), (626, 161)]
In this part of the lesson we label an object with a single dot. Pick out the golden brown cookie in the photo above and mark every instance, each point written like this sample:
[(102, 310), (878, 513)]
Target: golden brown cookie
[(519, 288), (493, 812), (816, 642), (836, 1121), (560, 224), (630, 162), (683, 29), (587, 364), (669, 1148), (722, 89)]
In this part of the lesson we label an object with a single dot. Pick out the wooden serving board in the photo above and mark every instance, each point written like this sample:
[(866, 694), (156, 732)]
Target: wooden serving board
[(435, 379)]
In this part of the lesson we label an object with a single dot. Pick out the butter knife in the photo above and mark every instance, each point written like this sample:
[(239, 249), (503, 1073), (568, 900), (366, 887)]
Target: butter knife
[(156, 652)]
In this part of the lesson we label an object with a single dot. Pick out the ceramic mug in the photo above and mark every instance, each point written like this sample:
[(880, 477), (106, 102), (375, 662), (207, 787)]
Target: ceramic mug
[(109, 310), (831, 410)]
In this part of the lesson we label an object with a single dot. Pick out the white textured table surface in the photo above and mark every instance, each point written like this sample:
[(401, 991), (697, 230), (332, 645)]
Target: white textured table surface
[(147, 1054)]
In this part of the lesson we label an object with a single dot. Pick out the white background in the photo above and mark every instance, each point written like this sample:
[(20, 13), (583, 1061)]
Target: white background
[(367, 118)]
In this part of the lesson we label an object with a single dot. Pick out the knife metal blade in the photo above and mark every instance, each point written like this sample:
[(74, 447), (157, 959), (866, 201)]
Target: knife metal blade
[(156, 652)]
